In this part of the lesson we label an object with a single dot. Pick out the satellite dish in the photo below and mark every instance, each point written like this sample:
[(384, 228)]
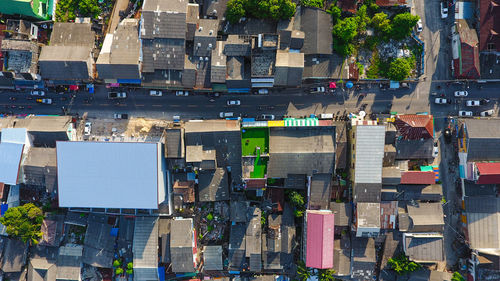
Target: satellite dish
[(362, 114)]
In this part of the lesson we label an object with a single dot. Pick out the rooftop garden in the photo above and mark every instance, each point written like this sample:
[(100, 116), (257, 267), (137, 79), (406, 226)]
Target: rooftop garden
[(254, 141), (259, 168)]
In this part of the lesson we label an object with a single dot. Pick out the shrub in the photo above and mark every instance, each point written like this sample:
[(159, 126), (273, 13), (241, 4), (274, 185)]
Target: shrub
[(400, 69), (24, 222), (312, 3), (402, 265)]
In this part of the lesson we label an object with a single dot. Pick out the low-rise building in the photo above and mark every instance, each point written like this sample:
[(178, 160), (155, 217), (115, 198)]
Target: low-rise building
[(319, 233)]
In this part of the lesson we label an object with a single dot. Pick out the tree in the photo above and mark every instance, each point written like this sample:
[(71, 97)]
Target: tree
[(296, 199), (303, 272), (402, 265), (343, 33), (402, 24), (335, 12), (457, 277), (312, 3), (326, 275), (24, 222), (381, 24), (399, 69), (89, 8), (119, 271), (235, 10), (287, 9), (362, 18), (130, 268)]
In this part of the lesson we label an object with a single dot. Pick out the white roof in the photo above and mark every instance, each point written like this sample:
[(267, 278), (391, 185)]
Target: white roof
[(10, 161), (14, 135), (369, 154), (108, 174)]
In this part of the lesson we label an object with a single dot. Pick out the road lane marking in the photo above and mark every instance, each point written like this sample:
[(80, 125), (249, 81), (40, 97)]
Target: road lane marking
[(157, 105), (175, 105), (299, 104), (210, 105), (103, 104), (139, 105), (192, 105)]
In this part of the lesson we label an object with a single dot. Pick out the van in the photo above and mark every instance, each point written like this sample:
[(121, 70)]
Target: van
[(226, 114), (326, 116)]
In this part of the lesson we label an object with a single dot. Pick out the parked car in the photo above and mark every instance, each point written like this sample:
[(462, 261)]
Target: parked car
[(326, 116), (472, 103), (435, 150), (226, 114), (233, 102), (315, 90), (38, 93), (441, 101), (487, 113), (267, 117), (87, 129), (155, 93), (261, 92), (444, 10), (419, 26), (117, 95), (120, 116), (461, 94), (464, 113), (182, 93), (44, 101)]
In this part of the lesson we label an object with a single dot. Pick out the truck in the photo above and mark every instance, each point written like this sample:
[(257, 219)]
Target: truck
[(117, 95)]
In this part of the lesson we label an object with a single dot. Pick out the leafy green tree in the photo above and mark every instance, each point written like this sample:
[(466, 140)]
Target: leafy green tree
[(303, 272), (298, 213), (24, 222), (402, 265), (335, 12), (381, 24), (235, 10), (345, 30), (130, 271), (457, 277), (312, 3), (287, 9), (296, 199), (119, 271), (402, 24), (326, 275), (117, 263), (89, 8), (400, 69), (362, 18), (130, 265)]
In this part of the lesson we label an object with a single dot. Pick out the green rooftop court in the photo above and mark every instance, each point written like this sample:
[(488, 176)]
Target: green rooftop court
[(254, 141), (259, 168)]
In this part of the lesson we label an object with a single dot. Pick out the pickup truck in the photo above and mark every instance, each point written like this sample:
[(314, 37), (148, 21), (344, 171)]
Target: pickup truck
[(117, 95)]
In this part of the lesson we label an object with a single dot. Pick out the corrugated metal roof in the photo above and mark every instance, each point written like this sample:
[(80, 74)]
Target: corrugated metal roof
[(418, 177), (320, 229), (413, 126), (489, 173), (483, 225), (145, 244), (212, 256), (369, 154), (10, 161)]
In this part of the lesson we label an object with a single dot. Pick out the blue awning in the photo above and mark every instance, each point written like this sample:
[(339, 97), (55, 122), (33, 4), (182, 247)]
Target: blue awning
[(394, 85), (129, 81)]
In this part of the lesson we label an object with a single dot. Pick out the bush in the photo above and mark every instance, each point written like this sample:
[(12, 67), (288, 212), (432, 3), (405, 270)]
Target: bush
[(335, 12), (298, 213), (362, 18), (130, 265), (24, 222), (117, 263), (119, 271), (381, 24), (296, 199), (312, 3), (457, 277), (402, 265), (400, 69), (402, 24), (371, 42)]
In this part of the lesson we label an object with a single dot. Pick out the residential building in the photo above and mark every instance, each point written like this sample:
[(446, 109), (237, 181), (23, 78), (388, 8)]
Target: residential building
[(14, 146), (394, 3), (319, 233), (237, 50), (288, 69), (263, 60), (53, 230), (418, 177), (342, 256), (145, 249), (423, 217), (40, 168), (414, 126), (424, 247), (363, 258), (278, 243), (486, 173), (253, 239), (69, 263), (212, 258), (43, 131), (465, 51), (320, 192), (118, 61), (42, 265), (33, 9), (20, 56), (182, 245), (367, 219), (13, 256), (489, 26), (482, 214), (163, 42), (98, 249), (213, 185), (68, 60), (427, 193), (21, 29), (343, 216), (214, 9), (103, 176), (236, 251)]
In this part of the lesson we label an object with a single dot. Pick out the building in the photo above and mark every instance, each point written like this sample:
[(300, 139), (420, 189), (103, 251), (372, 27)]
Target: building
[(414, 149), (363, 259), (418, 177), (320, 192), (20, 56), (343, 216), (43, 131), (394, 3), (253, 239), (13, 256), (182, 245), (34, 9), (69, 263), (278, 243), (68, 60), (489, 26), (213, 185), (98, 249), (424, 247), (486, 173), (482, 215), (366, 161), (13, 148), (105, 176), (40, 168), (145, 249), (212, 258), (414, 126), (367, 219), (425, 217), (118, 61), (42, 265), (465, 50), (319, 231)]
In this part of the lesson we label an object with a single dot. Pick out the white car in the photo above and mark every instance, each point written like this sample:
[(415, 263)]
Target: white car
[(182, 93), (435, 150), (38, 93), (318, 90), (44, 101), (444, 10), (88, 128), (464, 113), (472, 103), (226, 114), (233, 102), (487, 113), (155, 93), (461, 94), (440, 101), (267, 117), (262, 92), (420, 26)]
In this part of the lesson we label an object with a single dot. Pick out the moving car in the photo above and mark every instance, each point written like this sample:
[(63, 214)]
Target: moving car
[(472, 103), (317, 90), (262, 92), (487, 112), (267, 117), (435, 150), (420, 26), (444, 10), (233, 102), (464, 113), (226, 114), (441, 101), (461, 94), (120, 116), (155, 93), (182, 93), (44, 101), (88, 128), (38, 93), (117, 95)]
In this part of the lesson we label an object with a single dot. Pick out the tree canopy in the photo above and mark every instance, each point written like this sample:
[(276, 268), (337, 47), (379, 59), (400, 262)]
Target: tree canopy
[(381, 24), (402, 24), (344, 33), (312, 3), (400, 69), (402, 265), (24, 222), (262, 9), (457, 277)]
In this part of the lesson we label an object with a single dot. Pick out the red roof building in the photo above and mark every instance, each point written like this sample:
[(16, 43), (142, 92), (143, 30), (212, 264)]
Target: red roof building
[(387, 3), (466, 66), (489, 25), (488, 173), (418, 177), (415, 127), (348, 5), (319, 242)]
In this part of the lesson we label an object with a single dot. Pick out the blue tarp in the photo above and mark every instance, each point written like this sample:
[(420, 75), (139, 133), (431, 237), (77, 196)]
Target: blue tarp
[(239, 90), (3, 209), (349, 84), (161, 273), (129, 81), (394, 85), (248, 120), (114, 232)]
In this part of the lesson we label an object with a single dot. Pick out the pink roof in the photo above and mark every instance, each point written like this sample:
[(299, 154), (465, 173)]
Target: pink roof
[(489, 173), (320, 228), (418, 177)]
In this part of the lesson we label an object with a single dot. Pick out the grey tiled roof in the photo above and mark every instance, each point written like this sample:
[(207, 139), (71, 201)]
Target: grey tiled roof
[(179, 6), (72, 34), (422, 248), (163, 54), (174, 143), (369, 154), (483, 220), (235, 46), (414, 149), (65, 62), (484, 139), (363, 258), (213, 185), (320, 192), (212, 257), (317, 26), (163, 25), (181, 248), (343, 213)]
